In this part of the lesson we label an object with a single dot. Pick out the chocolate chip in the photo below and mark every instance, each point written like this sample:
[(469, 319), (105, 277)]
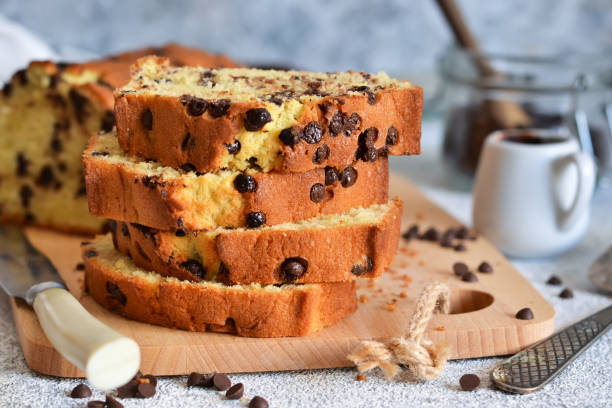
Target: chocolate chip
[(25, 195), (469, 382), (108, 121), (256, 119), (358, 270), (29, 218), (469, 277), (98, 154), (233, 148), (7, 89), (258, 402), (313, 132), (236, 391), (321, 154), (554, 280), (485, 267), (348, 177), (566, 294), (291, 136), (146, 390), (181, 232), (432, 234), (112, 403), (317, 193), (80, 391), (459, 268), (353, 123), (128, 390), (195, 268), (96, 404), (336, 123), (392, 136), (115, 292), (331, 175), (90, 254), (460, 248), (22, 165), (245, 183), (462, 233), (125, 231), (412, 232), (80, 266), (369, 264), (524, 314), (368, 137), (195, 106), (146, 118), (22, 77), (56, 145), (293, 268), (255, 219), (195, 379), (112, 224), (188, 167), (152, 379), (80, 104), (446, 241), (221, 382), (188, 142), (367, 154), (218, 108), (45, 177)]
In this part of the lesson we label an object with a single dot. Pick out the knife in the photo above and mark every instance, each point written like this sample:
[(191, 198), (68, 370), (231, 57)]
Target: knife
[(108, 358)]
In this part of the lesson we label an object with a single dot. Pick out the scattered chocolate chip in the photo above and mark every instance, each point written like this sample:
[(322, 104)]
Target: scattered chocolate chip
[(188, 142), (469, 382), (317, 193), (258, 402), (130, 389), (188, 167), (25, 195), (45, 177), (236, 391), (146, 118), (90, 254), (469, 277), (369, 264), (446, 242), (195, 268), (218, 108), (321, 154), (113, 403), (152, 379), (256, 119), (348, 177), (462, 233), (195, 106), (108, 121), (554, 280), (412, 232), (485, 267), (293, 268), (245, 183), (358, 270), (115, 292), (255, 219), (96, 404), (80, 266), (195, 379), (331, 175), (221, 382), (460, 248), (181, 232), (146, 390), (524, 314), (291, 136), (566, 294), (392, 136), (233, 148), (80, 391), (22, 165), (459, 268), (432, 234), (313, 132), (80, 104)]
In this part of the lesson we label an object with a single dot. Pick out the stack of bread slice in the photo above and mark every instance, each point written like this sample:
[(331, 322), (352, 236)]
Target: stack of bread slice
[(244, 200)]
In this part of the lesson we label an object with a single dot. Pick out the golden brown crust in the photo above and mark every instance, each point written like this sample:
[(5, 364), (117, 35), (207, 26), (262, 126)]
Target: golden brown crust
[(400, 108), (246, 311), (256, 256), (117, 191)]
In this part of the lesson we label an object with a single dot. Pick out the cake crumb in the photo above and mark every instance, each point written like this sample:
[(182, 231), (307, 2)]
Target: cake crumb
[(440, 328), (361, 377), (392, 305), (363, 299), (403, 294)]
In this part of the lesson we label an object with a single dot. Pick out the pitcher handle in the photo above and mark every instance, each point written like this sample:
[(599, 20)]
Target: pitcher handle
[(585, 166)]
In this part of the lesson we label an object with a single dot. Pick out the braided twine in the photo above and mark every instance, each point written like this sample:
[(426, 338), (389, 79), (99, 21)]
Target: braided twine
[(425, 359)]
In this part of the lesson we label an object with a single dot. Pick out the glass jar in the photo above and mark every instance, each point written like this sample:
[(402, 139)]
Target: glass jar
[(570, 92)]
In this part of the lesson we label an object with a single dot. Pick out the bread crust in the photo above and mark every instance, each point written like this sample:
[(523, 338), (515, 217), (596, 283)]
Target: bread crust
[(251, 311), (257, 255), (116, 191)]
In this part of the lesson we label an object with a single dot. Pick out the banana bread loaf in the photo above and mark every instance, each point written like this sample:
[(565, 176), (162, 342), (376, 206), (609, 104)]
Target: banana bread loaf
[(253, 310), (289, 121)]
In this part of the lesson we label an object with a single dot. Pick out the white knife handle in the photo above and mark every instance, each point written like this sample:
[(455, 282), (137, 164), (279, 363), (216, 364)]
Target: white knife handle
[(108, 358)]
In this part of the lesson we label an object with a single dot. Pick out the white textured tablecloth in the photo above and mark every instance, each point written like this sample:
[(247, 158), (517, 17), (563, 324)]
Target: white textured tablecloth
[(586, 383)]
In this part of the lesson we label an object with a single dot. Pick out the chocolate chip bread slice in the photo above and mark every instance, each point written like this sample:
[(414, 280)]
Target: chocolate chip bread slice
[(48, 111), (121, 187), (115, 282), (332, 248), (289, 121)]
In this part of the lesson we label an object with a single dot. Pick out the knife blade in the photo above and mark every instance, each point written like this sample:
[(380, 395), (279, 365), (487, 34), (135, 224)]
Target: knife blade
[(108, 358)]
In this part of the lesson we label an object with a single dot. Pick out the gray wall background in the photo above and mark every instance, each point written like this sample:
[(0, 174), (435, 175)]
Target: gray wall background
[(399, 36)]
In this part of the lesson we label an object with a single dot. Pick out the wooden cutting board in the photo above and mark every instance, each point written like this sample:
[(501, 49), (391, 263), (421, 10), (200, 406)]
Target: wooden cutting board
[(481, 322)]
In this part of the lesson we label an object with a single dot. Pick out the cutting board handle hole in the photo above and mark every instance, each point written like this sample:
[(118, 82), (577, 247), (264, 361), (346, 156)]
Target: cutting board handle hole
[(468, 300)]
